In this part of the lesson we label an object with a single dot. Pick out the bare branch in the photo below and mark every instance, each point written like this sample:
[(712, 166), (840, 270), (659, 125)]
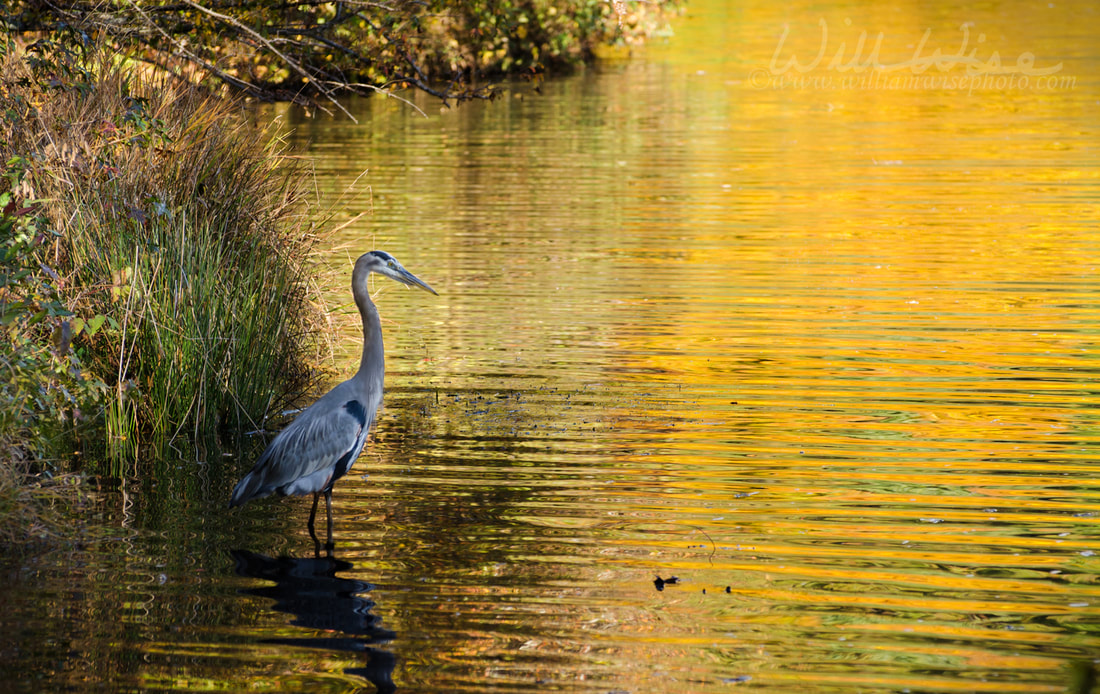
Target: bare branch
[(286, 59), (384, 92), (222, 75)]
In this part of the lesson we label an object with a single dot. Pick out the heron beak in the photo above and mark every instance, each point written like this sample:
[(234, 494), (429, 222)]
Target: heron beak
[(411, 280)]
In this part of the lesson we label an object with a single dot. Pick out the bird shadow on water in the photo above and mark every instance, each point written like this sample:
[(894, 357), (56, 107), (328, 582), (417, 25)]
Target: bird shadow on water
[(310, 590)]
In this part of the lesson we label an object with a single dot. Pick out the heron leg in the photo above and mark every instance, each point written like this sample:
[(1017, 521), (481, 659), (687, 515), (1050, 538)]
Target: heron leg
[(312, 532), (313, 511), (328, 505)]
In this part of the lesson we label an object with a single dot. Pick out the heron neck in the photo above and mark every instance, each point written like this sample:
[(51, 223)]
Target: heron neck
[(373, 361), (372, 366)]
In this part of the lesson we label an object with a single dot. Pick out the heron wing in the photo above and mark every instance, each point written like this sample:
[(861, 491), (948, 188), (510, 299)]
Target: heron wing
[(313, 451)]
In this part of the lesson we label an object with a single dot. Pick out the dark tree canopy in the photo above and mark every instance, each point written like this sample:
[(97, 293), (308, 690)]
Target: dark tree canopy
[(310, 51)]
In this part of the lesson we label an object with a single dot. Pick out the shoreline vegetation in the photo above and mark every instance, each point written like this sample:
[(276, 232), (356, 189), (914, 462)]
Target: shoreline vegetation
[(312, 52), (157, 268)]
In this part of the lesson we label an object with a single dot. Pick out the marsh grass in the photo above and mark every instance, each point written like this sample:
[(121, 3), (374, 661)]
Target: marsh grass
[(185, 244)]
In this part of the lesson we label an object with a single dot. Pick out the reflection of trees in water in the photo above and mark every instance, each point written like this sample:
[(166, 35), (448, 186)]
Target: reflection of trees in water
[(310, 590)]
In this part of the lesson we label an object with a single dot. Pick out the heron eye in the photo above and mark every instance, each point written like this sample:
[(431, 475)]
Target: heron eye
[(392, 265)]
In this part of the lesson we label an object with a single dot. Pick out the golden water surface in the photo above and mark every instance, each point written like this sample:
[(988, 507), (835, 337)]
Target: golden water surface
[(808, 324), (819, 340)]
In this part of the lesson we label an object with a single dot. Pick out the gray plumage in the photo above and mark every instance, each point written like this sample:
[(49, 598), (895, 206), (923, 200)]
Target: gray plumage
[(322, 443)]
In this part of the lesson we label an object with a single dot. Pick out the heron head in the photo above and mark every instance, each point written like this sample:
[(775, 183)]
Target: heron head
[(385, 264)]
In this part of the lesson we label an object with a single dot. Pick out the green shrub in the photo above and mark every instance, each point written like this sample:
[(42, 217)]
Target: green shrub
[(42, 383)]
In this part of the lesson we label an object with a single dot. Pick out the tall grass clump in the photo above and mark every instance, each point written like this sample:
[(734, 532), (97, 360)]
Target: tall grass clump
[(182, 244)]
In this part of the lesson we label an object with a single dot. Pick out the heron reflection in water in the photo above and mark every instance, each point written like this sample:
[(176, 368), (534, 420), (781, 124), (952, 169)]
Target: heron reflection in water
[(322, 443), (310, 590)]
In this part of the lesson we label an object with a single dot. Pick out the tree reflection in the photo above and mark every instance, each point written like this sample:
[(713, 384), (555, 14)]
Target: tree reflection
[(310, 590)]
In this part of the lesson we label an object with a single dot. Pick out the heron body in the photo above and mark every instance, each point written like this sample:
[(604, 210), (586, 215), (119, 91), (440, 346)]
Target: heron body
[(323, 442)]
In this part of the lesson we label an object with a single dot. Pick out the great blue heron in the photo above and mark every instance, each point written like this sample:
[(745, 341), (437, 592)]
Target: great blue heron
[(322, 443)]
